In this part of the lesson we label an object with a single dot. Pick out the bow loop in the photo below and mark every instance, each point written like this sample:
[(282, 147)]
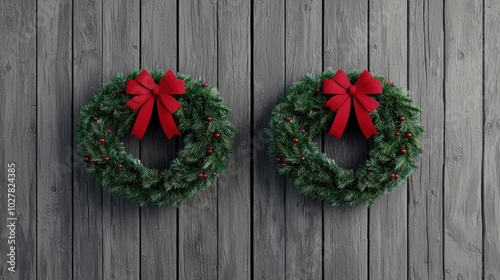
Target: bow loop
[(147, 92), (345, 94)]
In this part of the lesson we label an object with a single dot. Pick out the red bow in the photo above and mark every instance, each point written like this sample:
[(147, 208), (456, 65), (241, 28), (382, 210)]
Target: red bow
[(147, 93), (346, 92)]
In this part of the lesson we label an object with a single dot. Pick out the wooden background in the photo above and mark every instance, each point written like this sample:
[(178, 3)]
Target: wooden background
[(444, 223)]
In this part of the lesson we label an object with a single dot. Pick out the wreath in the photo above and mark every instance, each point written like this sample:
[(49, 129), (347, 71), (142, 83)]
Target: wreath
[(125, 106), (382, 109)]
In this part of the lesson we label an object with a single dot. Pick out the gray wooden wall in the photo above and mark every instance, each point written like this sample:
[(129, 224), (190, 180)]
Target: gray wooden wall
[(443, 223)]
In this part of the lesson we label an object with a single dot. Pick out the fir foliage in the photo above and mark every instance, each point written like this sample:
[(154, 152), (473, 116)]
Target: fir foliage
[(317, 176), (133, 180)]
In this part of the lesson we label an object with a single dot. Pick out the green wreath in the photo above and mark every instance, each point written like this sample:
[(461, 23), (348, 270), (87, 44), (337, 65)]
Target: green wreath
[(202, 118), (302, 113)]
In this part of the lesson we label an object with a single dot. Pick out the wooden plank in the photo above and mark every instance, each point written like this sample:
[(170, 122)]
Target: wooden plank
[(158, 225), (121, 226), (491, 163), (426, 75), (346, 228), (234, 188), (463, 138), (269, 188), (388, 217), (87, 194), (198, 216), (303, 218), (18, 126), (54, 141)]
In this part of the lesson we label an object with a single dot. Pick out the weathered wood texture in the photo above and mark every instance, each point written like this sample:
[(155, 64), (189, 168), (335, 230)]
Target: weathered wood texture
[(251, 225), (18, 117), (234, 187), (87, 194), (425, 84), (491, 155), (387, 227), (463, 91)]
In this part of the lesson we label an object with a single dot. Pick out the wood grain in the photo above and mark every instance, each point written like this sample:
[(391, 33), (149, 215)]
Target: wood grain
[(304, 225), (87, 194), (198, 216), (121, 220), (346, 228), (269, 188), (18, 124), (158, 52), (464, 119), (425, 79), (54, 140), (234, 188), (491, 154), (388, 216)]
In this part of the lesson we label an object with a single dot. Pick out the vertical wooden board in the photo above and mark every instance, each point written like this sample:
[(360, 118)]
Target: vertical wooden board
[(234, 223), (198, 216), (388, 216), (158, 225), (491, 161), (426, 76), (87, 194), (303, 218), (345, 228), (463, 138), (54, 141), (121, 220), (18, 126), (269, 189)]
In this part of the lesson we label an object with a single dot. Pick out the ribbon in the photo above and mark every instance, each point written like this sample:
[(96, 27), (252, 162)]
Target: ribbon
[(147, 92), (345, 93)]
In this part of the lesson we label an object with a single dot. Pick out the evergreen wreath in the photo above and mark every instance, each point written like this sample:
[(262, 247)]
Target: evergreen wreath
[(198, 112), (302, 113)]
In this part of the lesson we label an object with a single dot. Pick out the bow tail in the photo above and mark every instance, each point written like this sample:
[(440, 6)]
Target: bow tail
[(341, 119), (142, 121), (167, 121), (364, 119)]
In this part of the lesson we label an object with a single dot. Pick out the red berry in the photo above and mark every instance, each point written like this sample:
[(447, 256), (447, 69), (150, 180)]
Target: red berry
[(86, 159), (408, 135), (214, 173), (403, 151), (102, 140), (106, 158), (283, 165), (95, 119), (402, 118), (316, 90), (302, 158), (203, 133), (120, 166), (278, 159), (288, 119), (210, 151), (209, 118), (216, 135), (205, 176), (121, 90), (200, 175), (109, 131), (295, 140), (303, 131), (398, 133), (394, 176), (91, 164), (393, 84), (205, 84)]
